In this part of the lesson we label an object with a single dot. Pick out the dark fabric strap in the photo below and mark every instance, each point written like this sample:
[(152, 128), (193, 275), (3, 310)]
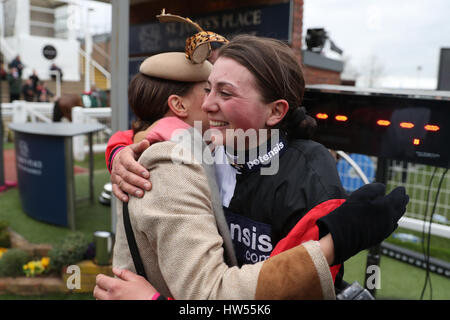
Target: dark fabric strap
[(138, 265), (112, 154)]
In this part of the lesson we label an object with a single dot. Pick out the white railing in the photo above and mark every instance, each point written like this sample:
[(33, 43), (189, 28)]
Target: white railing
[(96, 65), (6, 50), (102, 52), (90, 115), (409, 223), (419, 225), (7, 110), (58, 81), (23, 111)]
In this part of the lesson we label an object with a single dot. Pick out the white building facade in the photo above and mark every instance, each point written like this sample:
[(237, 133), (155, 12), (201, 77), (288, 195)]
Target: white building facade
[(41, 33)]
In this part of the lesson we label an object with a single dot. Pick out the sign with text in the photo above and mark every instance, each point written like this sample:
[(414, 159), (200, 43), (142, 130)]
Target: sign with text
[(41, 177), (272, 21), (49, 52)]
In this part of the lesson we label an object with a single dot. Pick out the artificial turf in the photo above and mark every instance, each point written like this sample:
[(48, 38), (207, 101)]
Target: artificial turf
[(398, 280)]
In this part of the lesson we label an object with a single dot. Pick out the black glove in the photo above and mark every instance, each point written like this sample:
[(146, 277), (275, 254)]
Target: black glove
[(364, 220)]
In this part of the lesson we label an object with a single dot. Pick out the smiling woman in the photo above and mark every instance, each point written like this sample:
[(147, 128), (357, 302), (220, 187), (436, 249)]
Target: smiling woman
[(254, 90), (255, 84), (233, 102), (255, 87), (229, 103)]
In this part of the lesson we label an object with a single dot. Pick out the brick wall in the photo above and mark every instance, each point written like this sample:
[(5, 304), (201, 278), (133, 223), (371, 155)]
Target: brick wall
[(320, 76), (312, 75), (297, 28)]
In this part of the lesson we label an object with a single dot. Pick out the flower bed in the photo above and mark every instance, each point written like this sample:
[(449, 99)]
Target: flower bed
[(39, 269), (36, 267)]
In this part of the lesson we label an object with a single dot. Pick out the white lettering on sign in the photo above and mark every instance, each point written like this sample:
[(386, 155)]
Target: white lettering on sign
[(29, 165), (242, 19), (250, 238), (24, 162)]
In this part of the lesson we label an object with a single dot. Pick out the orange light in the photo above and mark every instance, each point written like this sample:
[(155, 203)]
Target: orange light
[(322, 116), (407, 125), (431, 127), (416, 142), (383, 123), (340, 117)]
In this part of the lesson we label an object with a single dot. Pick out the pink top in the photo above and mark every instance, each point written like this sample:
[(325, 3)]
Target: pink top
[(163, 129)]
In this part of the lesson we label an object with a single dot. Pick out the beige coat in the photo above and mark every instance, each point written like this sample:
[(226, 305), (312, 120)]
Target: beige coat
[(176, 228)]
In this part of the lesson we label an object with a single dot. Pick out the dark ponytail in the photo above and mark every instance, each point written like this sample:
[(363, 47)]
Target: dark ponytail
[(298, 124)]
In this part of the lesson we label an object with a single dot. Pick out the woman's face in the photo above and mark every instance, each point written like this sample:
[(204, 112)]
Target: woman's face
[(194, 102), (232, 99)]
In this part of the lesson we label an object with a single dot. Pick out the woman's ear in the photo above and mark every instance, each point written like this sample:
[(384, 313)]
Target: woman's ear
[(277, 111), (177, 106)]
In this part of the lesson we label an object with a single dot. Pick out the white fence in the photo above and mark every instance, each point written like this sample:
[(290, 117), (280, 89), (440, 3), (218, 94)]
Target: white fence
[(91, 115), (416, 179), (23, 111)]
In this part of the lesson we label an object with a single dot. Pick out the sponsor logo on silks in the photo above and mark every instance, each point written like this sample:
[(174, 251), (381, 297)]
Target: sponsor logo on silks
[(251, 239), (262, 156), (265, 159)]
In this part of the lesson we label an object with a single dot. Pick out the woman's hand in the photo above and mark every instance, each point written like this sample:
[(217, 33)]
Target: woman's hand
[(127, 175), (129, 286)]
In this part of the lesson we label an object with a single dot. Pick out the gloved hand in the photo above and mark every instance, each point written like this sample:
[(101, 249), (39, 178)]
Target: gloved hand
[(364, 220)]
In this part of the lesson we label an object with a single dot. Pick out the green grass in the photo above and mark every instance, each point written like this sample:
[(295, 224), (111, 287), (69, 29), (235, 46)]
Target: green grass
[(89, 217), (439, 247), (99, 162), (8, 146), (417, 183), (399, 280)]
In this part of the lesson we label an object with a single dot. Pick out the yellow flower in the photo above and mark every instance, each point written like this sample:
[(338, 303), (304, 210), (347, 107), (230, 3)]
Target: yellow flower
[(45, 261), (36, 267), (2, 251)]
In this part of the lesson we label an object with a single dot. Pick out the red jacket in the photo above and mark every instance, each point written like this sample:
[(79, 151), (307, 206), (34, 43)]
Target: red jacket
[(119, 140), (306, 229)]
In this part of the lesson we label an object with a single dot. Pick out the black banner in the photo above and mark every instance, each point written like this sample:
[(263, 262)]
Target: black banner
[(272, 21)]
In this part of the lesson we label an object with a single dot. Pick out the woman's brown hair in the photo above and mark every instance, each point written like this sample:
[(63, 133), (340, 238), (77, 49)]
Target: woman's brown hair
[(278, 76), (148, 96)]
